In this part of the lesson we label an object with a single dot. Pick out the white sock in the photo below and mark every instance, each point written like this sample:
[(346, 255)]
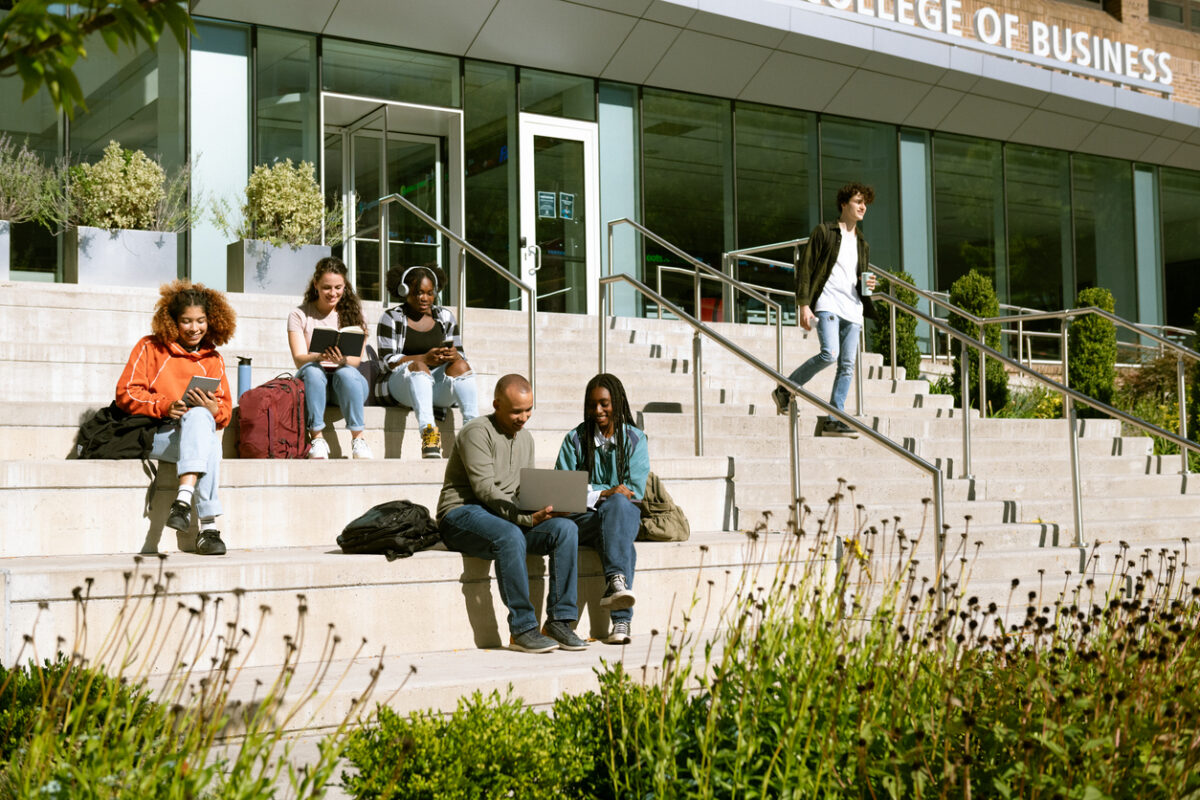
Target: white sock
[(208, 523), (185, 494)]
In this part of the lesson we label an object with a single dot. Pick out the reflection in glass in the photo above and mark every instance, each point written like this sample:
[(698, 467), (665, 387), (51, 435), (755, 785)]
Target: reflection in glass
[(489, 119), (561, 224), (864, 152), (558, 95), (1104, 230), (334, 187), (389, 73), (968, 192), (413, 174), (1181, 244), (1039, 225), (778, 197), (286, 75), (686, 146)]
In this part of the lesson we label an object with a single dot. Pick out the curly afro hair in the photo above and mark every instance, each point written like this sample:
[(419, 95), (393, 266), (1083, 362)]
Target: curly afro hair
[(177, 296)]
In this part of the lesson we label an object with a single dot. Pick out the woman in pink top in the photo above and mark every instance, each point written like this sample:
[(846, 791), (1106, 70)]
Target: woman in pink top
[(329, 302)]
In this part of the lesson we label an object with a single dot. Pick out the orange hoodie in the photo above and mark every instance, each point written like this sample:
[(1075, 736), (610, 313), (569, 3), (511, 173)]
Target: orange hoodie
[(157, 376)]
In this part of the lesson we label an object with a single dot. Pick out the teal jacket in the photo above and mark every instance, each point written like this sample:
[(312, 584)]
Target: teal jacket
[(604, 463)]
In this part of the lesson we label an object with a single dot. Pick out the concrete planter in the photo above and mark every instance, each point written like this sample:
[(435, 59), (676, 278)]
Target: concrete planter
[(258, 267), (5, 248), (101, 257)]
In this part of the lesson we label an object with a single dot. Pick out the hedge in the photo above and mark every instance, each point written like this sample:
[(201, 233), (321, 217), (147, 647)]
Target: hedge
[(1092, 351), (975, 293), (908, 355)]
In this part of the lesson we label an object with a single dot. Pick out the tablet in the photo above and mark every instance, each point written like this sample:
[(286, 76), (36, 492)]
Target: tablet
[(566, 490), (203, 383)]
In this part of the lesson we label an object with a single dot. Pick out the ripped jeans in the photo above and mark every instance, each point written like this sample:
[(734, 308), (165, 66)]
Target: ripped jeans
[(421, 391)]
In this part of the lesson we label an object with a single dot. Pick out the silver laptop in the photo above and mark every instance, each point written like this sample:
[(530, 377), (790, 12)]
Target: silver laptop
[(566, 490)]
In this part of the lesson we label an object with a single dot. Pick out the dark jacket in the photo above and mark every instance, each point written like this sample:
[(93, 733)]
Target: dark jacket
[(817, 260)]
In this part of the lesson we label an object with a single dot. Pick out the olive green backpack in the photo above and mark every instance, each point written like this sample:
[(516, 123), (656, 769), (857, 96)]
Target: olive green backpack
[(662, 520)]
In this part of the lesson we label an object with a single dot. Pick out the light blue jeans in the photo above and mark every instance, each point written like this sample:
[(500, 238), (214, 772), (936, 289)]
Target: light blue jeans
[(611, 529), (839, 342), (194, 446), (349, 394), (421, 391)]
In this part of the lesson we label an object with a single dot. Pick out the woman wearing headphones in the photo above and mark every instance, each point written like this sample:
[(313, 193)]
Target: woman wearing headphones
[(420, 350)]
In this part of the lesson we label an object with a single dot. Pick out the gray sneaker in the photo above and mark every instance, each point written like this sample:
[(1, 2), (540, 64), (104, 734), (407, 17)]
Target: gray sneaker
[(617, 596), (835, 427), (781, 399), (619, 633), (561, 632), (532, 641)]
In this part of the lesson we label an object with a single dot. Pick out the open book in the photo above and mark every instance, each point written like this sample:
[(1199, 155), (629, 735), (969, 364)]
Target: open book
[(349, 340)]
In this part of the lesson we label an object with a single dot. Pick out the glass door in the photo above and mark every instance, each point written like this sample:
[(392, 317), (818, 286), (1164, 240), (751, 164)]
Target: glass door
[(560, 223)]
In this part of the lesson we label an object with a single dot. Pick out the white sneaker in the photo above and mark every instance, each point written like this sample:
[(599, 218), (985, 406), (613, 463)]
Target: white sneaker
[(319, 449), (359, 448)]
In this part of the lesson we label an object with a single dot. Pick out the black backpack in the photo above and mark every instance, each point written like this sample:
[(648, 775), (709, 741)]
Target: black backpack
[(396, 529), (114, 433)]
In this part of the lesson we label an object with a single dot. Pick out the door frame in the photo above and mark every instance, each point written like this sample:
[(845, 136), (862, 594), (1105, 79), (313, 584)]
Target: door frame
[(404, 119), (588, 133)]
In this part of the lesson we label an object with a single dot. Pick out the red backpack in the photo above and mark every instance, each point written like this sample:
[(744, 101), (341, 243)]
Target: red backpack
[(271, 420)]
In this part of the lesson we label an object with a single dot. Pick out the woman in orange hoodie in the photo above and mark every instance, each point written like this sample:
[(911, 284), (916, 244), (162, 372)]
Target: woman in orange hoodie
[(190, 322)]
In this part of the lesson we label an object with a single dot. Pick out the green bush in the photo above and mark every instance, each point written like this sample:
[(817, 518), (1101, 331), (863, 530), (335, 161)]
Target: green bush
[(1092, 351), (28, 187), (490, 747), (283, 206), (908, 355), (1152, 393), (975, 293), (1037, 402)]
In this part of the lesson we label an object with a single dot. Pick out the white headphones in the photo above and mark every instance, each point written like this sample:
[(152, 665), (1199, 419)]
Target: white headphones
[(432, 277)]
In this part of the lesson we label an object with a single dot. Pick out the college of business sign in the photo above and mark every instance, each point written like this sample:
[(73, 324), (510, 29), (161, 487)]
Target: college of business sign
[(991, 27)]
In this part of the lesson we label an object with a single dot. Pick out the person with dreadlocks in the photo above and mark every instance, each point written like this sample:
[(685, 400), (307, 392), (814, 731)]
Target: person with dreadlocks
[(616, 457)]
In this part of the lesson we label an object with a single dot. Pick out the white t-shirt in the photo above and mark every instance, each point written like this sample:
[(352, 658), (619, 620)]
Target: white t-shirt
[(840, 294), (304, 319)]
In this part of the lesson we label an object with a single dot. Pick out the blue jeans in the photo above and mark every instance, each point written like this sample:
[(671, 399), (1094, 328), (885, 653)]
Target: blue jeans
[(611, 530), (475, 531), (194, 446), (349, 389), (421, 391), (839, 342)]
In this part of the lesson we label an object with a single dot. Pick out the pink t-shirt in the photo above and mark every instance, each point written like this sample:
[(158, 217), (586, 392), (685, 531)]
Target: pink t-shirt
[(304, 319)]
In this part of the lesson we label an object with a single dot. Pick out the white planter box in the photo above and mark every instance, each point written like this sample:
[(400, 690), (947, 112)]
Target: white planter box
[(120, 258), (5, 248), (258, 267)]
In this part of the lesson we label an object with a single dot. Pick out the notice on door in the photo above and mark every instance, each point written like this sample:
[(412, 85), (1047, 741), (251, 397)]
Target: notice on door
[(546, 205), (566, 205)]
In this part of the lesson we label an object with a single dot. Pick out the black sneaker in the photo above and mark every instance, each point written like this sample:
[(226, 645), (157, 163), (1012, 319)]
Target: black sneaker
[(180, 516), (781, 399), (562, 633), (619, 634), (209, 543), (835, 427), (532, 641), (617, 596)]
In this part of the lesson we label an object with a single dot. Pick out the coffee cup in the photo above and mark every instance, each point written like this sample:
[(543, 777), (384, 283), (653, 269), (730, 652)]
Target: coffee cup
[(867, 279)]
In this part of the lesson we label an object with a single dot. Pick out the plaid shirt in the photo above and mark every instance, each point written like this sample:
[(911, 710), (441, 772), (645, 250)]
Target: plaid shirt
[(390, 333)]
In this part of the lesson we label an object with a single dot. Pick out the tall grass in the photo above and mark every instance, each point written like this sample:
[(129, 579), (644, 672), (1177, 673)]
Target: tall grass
[(109, 725)]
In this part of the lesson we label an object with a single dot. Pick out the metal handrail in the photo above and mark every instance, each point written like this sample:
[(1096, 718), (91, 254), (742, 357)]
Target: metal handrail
[(708, 271), (699, 329), (1068, 393), (466, 247)]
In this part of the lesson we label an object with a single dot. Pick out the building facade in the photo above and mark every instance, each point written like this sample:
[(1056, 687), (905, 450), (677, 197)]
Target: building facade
[(1050, 144)]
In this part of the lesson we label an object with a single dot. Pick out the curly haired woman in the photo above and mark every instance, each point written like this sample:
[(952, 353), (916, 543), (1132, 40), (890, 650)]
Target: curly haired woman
[(190, 322)]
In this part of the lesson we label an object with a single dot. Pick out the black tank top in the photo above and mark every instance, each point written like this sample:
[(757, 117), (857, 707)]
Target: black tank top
[(418, 343)]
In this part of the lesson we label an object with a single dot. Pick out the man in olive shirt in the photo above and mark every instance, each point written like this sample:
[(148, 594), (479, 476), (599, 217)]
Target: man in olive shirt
[(477, 517)]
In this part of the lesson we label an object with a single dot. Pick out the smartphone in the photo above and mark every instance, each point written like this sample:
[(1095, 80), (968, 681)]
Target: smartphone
[(448, 343)]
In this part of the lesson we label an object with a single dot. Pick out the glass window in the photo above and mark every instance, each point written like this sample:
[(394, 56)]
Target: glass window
[(688, 187), (864, 152), (557, 95), (490, 119), (390, 73), (1104, 229), (1181, 244), (778, 194), (1166, 11), (286, 73), (1038, 194), (968, 189), (620, 188)]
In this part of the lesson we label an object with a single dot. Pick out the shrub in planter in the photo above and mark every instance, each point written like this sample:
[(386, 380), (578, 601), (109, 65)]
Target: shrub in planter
[(27, 185), (975, 293), (1093, 351), (908, 355)]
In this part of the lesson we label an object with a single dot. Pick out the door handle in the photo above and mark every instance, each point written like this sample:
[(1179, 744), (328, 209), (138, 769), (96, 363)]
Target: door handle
[(536, 252)]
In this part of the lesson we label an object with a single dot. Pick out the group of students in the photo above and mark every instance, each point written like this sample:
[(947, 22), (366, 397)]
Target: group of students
[(422, 366)]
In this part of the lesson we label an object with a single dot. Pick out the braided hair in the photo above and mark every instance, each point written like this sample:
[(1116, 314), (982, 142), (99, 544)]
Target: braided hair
[(622, 416)]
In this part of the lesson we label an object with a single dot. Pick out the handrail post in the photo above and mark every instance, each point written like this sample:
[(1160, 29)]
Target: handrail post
[(939, 535), (794, 453), (462, 284), (982, 380), (698, 389), (696, 294), (533, 345), (1069, 413), (858, 376), (608, 286), (1183, 429), (603, 349), (964, 394), (892, 313), (1020, 341)]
